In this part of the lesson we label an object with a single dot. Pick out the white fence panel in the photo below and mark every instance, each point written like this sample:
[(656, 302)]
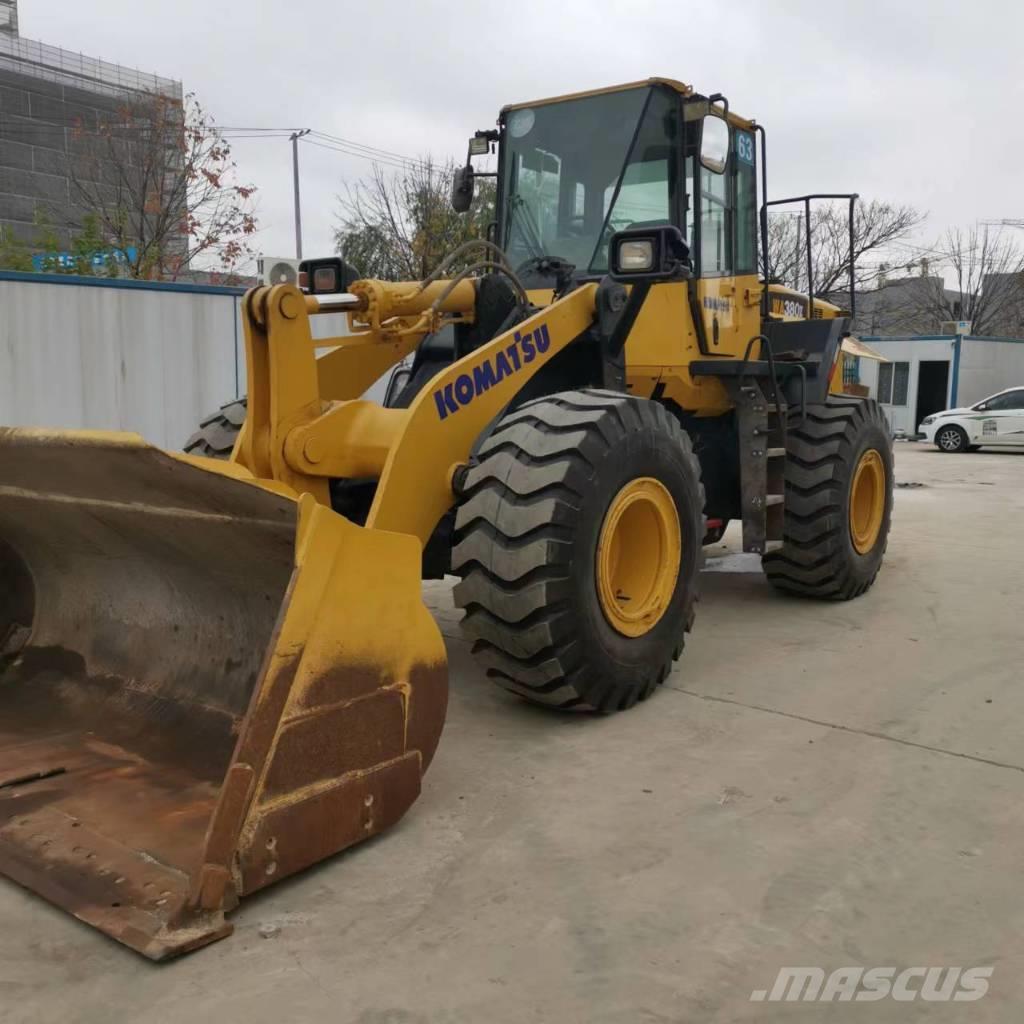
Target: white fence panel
[(152, 358)]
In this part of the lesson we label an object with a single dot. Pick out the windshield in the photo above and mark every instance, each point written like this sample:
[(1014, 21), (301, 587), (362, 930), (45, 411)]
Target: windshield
[(573, 173)]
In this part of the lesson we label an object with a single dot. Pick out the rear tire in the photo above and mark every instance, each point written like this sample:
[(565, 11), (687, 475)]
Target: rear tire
[(828, 551), (952, 440), (216, 436), (532, 549)]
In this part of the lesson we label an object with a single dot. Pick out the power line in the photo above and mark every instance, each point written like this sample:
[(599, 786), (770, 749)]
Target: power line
[(324, 140), (400, 164), (12, 128), (921, 249), (371, 150), (336, 149)]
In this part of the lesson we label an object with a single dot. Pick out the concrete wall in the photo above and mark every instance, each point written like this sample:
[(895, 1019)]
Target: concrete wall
[(988, 365), (117, 356)]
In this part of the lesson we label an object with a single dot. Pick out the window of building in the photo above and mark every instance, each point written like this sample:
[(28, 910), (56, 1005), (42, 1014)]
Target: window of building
[(885, 383), (893, 383), (851, 369), (900, 383)]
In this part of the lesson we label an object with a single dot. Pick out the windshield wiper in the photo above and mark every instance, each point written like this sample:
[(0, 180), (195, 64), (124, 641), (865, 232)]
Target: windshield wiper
[(516, 204)]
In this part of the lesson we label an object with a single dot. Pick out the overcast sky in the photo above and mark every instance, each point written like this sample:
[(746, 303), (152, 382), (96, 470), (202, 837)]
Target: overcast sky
[(908, 101)]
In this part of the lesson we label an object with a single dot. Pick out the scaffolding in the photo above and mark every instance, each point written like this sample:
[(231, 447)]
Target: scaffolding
[(39, 60)]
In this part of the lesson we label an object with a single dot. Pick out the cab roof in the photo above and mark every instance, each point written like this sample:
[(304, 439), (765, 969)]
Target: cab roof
[(680, 87)]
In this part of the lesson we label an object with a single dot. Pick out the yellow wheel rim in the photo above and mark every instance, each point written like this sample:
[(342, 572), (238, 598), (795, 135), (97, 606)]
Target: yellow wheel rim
[(638, 556), (867, 501)]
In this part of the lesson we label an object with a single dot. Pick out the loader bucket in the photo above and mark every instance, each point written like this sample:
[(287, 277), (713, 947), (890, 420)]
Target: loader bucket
[(206, 685)]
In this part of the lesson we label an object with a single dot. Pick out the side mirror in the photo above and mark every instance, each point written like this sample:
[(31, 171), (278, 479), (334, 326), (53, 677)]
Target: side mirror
[(714, 143), (462, 188)]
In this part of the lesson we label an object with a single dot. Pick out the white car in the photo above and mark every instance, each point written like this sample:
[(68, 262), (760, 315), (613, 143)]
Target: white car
[(998, 422)]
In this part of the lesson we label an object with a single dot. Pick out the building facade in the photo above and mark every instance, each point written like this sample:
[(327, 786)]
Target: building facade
[(9, 16), (929, 373), (45, 94)]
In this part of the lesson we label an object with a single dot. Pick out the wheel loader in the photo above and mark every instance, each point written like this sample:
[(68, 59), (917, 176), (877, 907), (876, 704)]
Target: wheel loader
[(218, 671)]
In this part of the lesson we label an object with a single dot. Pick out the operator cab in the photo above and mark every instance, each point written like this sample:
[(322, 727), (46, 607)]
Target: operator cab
[(653, 167), (572, 172)]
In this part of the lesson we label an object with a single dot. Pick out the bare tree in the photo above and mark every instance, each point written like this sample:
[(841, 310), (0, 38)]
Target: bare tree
[(400, 225), (159, 180), (876, 226), (984, 282)]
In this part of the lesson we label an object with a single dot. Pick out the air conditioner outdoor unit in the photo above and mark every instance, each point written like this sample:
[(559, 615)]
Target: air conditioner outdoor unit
[(955, 327), (277, 270)]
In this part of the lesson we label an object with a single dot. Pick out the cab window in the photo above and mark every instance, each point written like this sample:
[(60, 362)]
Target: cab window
[(715, 222), (728, 211), (643, 196), (745, 177)]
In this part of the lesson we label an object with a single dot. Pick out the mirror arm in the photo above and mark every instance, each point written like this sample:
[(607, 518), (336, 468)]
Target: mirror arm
[(719, 97)]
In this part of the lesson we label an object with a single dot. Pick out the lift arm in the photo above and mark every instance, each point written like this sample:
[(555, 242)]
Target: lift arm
[(294, 436)]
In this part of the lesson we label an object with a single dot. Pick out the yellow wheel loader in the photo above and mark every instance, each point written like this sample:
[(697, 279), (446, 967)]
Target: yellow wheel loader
[(215, 672)]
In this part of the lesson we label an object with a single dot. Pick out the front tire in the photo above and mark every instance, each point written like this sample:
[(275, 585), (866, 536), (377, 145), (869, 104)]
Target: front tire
[(952, 440), (578, 540), (838, 501)]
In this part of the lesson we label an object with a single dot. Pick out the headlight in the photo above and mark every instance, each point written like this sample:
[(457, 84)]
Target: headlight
[(636, 255), (927, 420)]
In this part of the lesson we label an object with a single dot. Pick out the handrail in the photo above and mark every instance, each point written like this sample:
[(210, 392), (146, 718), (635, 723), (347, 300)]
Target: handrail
[(852, 197)]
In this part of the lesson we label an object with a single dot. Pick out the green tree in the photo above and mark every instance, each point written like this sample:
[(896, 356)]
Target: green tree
[(400, 226), (14, 253), (89, 254)]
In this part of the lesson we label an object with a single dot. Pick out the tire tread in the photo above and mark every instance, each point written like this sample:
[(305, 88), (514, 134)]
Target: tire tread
[(812, 562), (513, 551)]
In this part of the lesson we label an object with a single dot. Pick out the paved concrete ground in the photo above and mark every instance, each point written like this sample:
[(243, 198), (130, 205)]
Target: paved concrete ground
[(816, 784)]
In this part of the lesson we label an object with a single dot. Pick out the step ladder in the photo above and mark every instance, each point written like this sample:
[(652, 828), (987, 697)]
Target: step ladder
[(762, 453)]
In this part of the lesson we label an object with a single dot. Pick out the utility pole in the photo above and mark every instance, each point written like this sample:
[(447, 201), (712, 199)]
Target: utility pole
[(295, 136)]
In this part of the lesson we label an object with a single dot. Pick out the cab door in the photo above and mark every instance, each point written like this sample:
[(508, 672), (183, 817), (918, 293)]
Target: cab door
[(728, 292)]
